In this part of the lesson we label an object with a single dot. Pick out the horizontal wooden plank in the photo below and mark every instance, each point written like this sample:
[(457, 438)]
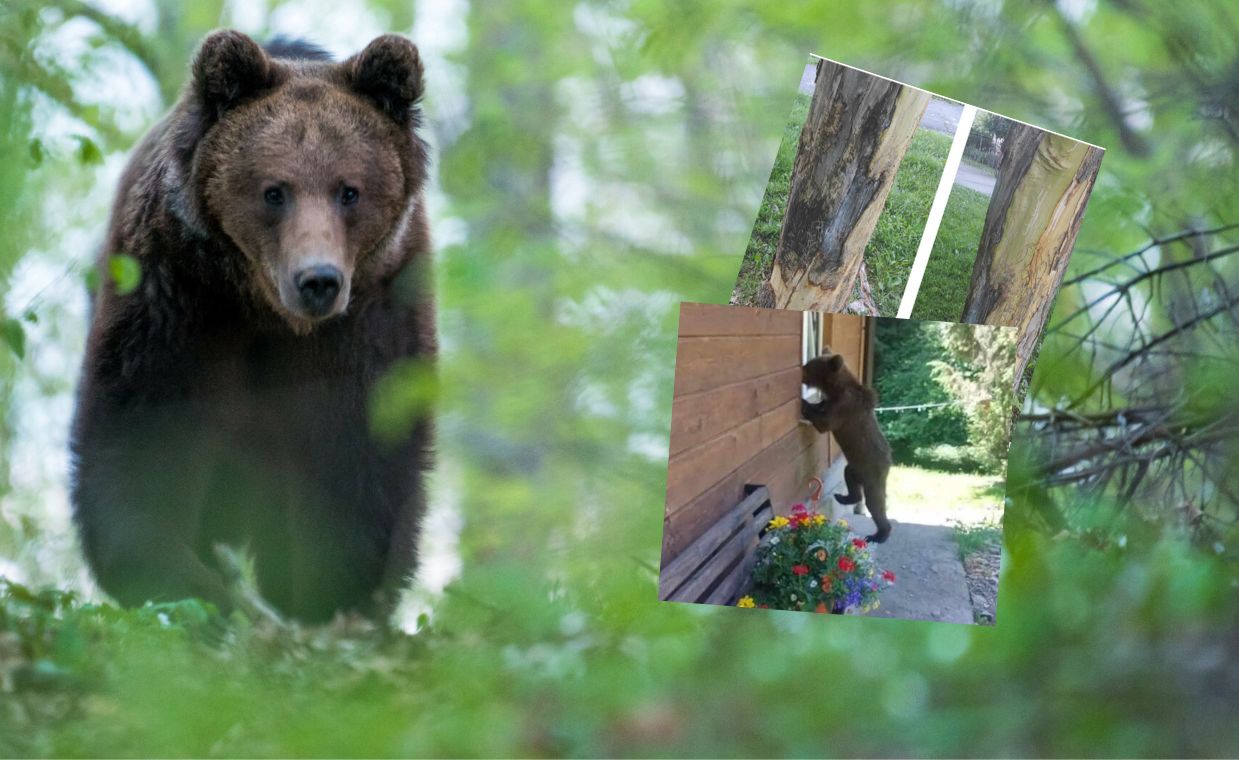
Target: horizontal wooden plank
[(677, 571), (712, 319), (698, 417), (738, 577), (682, 526), (692, 471), (695, 470), (703, 363), (780, 421)]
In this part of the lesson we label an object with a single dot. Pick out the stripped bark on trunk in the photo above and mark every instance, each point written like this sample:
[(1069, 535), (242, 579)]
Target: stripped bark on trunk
[(1033, 218), (858, 128)]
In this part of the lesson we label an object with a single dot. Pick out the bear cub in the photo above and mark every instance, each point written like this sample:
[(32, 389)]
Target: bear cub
[(846, 411), (277, 214)]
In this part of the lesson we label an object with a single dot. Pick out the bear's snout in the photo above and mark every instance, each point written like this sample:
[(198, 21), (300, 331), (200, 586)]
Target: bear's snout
[(319, 287)]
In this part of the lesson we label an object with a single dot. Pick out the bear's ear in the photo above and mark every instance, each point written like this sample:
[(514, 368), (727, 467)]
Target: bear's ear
[(389, 72), (834, 363), (228, 68)]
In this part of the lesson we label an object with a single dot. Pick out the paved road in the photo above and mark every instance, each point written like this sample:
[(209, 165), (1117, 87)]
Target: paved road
[(806, 79), (942, 115), (975, 179)]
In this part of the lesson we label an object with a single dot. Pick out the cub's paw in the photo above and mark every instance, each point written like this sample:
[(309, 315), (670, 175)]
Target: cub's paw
[(847, 499)]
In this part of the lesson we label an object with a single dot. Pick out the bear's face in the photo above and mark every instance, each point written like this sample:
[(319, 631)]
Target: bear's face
[(828, 375), (314, 177)]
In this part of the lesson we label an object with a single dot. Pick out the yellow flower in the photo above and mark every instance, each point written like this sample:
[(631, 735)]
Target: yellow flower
[(819, 519), (746, 602), (779, 522)]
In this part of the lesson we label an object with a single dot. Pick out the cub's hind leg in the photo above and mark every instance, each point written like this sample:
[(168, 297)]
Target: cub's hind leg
[(856, 489)]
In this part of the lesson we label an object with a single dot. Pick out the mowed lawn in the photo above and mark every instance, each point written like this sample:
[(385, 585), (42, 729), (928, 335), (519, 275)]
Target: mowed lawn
[(889, 255), (759, 256), (949, 271), (932, 497)]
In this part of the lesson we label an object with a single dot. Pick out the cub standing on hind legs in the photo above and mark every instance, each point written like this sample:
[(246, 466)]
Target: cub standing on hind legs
[(277, 214), (846, 410)]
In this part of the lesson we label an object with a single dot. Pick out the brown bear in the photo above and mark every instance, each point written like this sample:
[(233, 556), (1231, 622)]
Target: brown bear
[(846, 411), (277, 214)]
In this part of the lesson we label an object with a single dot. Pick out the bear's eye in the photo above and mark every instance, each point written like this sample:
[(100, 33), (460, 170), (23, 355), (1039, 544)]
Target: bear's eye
[(274, 196), (349, 196)]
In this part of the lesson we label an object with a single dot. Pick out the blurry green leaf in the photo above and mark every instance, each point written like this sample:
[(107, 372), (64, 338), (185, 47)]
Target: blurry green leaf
[(91, 277), (125, 272), (402, 396), (36, 152), (88, 152), (15, 336)]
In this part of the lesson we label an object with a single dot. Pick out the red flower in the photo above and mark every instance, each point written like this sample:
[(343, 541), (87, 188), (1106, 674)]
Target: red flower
[(888, 575), (859, 543), (800, 569), (821, 607), (845, 564), (798, 509), (827, 582), (763, 607)]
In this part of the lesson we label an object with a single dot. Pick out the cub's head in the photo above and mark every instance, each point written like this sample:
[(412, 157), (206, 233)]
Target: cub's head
[(830, 375), (310, 168), (827, 374)]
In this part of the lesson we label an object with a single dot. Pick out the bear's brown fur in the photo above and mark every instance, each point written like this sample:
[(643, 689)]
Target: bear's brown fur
[(846, 411), (277, 213)]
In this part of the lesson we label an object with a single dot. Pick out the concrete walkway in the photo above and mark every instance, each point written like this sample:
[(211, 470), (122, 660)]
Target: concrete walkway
[(929, 575)]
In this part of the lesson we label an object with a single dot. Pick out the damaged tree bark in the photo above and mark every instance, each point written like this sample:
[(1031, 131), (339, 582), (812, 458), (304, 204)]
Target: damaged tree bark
[(858, 128), (1031, 225)]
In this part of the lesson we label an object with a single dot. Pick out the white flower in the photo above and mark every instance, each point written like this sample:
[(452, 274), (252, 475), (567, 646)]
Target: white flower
[(774, 540), (812, 584)]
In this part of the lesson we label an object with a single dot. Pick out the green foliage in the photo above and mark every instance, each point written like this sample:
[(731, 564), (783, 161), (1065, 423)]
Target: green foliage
[(764, 242), (572, 213), (889, 255), (125, 273), (948, 274), (903, 350), (978, 371), (977, 536), (809, 563)]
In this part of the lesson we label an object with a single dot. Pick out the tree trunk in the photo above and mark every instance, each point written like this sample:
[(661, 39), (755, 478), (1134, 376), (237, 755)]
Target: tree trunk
[(858, 128), (1030, 227)]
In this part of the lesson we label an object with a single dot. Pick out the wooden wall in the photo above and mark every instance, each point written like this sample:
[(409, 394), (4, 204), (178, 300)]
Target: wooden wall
[(735, 415)]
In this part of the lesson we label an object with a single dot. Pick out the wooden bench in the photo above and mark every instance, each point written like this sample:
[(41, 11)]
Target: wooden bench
[(715, 568)]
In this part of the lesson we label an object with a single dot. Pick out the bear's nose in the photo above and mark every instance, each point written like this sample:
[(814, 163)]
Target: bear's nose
[(319, 287)]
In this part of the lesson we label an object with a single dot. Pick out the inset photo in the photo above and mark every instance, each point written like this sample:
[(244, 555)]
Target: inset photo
[(887, 200), (837, 463)]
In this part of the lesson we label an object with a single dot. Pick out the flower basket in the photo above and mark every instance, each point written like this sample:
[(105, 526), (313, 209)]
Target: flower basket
[(808, 563)]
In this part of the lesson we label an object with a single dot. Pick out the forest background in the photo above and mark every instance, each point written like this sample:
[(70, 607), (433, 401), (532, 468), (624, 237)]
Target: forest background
[(597, 162)]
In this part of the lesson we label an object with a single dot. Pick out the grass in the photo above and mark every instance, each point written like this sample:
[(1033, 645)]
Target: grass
[(889, 255), (759, 256), (985, 535), (949, 272), (933, 497)]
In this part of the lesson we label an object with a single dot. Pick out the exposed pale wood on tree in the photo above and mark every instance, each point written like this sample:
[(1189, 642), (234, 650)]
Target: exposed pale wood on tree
[(858, 128), (1033, 218)]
